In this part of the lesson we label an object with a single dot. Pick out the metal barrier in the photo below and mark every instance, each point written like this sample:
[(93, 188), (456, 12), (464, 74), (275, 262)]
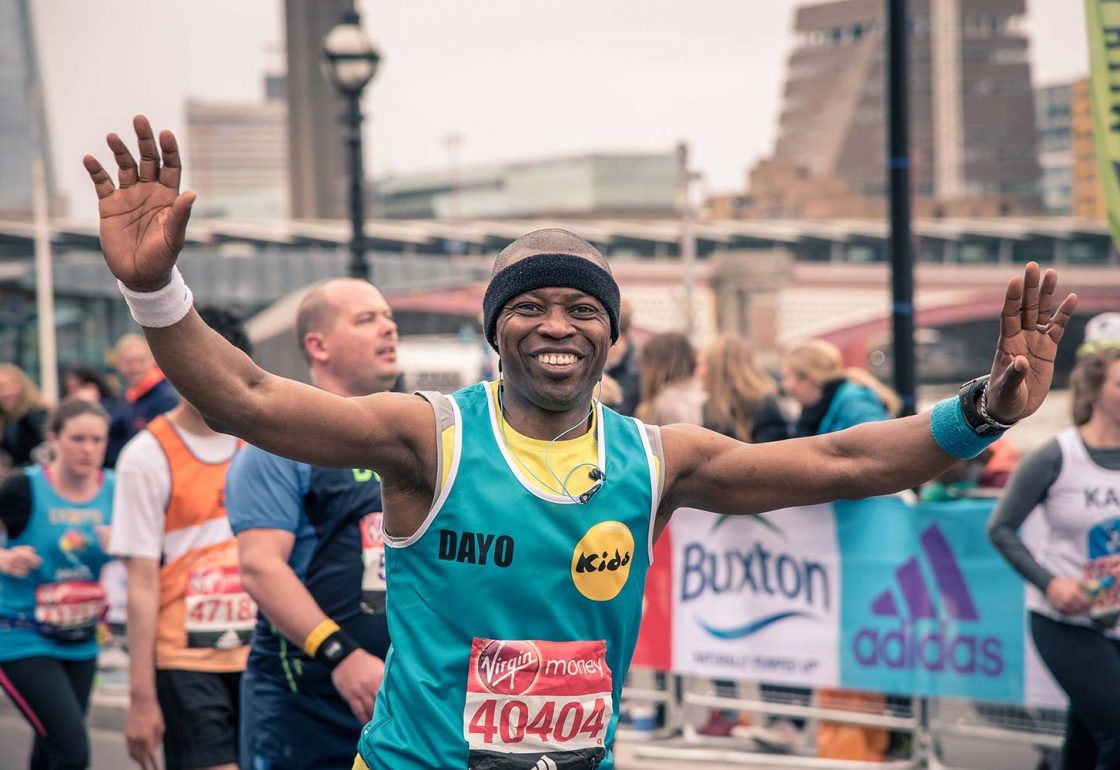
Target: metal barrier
[(929, 723), (999, 722), (757, 742)]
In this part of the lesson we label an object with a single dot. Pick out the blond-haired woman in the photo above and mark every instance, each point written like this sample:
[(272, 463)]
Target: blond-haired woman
[(742, 400), (1074, 481), (832, 397), (23, 417)]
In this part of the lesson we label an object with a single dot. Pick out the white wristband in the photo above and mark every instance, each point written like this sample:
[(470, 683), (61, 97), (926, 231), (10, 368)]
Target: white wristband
[(160, 308)]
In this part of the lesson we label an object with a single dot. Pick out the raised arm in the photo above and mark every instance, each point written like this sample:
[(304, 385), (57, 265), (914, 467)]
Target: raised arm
[(704, 470), (143, 226)]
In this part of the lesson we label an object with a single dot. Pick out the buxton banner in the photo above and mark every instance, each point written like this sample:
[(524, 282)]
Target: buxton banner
[(876, 595)]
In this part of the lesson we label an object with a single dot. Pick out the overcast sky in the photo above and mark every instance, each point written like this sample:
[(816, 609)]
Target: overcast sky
[(516, 78)]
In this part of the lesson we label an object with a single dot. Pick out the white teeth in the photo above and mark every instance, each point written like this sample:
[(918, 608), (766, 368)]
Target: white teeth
[(556, 359)]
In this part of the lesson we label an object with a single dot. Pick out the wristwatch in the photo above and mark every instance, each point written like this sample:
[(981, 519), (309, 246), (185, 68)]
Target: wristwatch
[(975, 392)]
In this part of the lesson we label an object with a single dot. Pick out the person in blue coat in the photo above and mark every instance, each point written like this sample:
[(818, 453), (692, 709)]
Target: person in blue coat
[(832, 398), (56, 520)]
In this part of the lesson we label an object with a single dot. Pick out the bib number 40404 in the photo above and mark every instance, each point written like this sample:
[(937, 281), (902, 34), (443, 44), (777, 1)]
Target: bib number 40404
[(551, 722)]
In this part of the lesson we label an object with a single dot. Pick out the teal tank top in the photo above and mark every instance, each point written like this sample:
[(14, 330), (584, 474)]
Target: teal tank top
[(53, 611), (514, 613)]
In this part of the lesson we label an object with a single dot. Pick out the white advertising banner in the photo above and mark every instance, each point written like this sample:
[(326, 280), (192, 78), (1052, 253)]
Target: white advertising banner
[(757, 597)]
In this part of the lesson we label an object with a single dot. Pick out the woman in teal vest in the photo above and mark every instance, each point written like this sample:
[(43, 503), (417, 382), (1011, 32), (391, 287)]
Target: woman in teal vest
[(56, 519)]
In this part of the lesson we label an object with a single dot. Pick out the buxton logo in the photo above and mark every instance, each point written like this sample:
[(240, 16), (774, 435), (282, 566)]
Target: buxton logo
[(601, 560), (757, 571), (922, 638)]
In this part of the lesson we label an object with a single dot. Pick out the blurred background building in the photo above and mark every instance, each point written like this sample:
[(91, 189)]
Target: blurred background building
[(23, 122), (1053, 121), (239, 156), (972, 115), (1086, 187), (1003, 173), (1067, 156), (317, 153), (594, 185)]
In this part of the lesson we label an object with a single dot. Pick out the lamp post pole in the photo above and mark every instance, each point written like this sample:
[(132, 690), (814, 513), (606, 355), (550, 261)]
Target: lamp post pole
[(902, 262), (350, 60), (359, 264)]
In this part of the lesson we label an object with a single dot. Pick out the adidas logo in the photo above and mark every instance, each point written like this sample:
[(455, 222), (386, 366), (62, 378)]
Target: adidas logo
[(228, 640), (921, 638), (545, 763), (955, 596)]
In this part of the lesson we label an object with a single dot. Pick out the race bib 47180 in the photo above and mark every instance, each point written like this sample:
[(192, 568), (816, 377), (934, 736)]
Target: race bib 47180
[(219, 613), (537, 705)]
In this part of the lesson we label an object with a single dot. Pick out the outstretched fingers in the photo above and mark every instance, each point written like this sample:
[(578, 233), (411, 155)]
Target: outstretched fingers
[(102, 182), (176, 224), (1031, 292), (127, 173), (1010, 322), (172, 170), (1046, 297), (149, 153), (1061, 318)]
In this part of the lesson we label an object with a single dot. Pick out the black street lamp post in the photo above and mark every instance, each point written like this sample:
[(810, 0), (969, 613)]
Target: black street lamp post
[(350, 61)]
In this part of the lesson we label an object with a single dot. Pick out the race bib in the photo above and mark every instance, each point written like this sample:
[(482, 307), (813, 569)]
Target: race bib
[(537, 704), (1105, 608), (219, 612), (70, 610), (373, 560)]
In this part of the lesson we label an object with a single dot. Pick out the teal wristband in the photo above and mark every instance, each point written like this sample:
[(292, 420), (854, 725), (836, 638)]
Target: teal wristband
[(952, 432)]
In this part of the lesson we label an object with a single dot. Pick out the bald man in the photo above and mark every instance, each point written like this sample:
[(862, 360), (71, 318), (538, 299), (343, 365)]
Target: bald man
[(310, 548), (520, 515), (148, 393)]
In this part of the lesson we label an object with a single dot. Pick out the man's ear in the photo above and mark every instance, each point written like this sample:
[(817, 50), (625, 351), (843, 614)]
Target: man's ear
[(315, 345)]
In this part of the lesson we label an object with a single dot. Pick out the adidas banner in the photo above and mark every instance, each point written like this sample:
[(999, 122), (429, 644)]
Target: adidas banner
[(875, 595)]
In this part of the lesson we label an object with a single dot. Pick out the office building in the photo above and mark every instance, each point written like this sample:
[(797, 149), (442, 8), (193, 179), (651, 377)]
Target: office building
[(1053, 116), (316, 139), (590, 185), (239, 159), (971, 123), (23, 124)]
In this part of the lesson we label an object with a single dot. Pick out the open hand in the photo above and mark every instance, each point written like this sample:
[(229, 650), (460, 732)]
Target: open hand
[(358, 678), (144, 221), (1067, 596), (1028, 342), (19, 560), (143, 731)]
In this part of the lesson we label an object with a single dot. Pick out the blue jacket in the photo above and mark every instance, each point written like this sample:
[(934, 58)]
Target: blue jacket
[(853, 404), (139, 407)]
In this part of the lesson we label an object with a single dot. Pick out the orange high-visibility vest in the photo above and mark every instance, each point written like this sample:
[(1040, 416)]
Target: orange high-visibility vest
[(205, 617)]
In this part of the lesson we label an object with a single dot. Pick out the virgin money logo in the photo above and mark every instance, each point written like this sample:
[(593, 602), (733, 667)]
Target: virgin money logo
[(508, 667), (932, 635), (215, 581)]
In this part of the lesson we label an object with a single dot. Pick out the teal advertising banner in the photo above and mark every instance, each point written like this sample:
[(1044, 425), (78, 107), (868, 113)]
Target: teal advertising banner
[(928, 606)]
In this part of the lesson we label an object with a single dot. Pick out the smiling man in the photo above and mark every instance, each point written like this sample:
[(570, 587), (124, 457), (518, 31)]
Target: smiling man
[(520, 514)]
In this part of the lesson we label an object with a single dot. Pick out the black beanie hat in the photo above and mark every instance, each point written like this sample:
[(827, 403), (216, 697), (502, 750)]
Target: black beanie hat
[(549, 269)]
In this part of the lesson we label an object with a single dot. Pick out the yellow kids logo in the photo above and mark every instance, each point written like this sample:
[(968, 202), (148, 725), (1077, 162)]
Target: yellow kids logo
[(601, 560)]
